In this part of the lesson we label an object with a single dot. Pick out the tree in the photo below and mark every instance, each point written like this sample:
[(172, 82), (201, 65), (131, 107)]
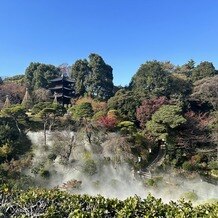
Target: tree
[(165, 120), (80, 72), (83, 110), (186, 69), (206, 91), (107, 122), (38, 75), (12, 141), (16, 113), (49, 116), (148, 108), (125, 102), (100, 81), (1, 81), (41, 95), (204, 69), (13, 90), (150, 80), (179, 86)]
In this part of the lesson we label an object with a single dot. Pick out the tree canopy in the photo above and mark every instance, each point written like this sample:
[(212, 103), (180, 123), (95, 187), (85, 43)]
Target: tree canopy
[(38, 75), (204, 69), (150, 80), (164, 120), (93, 77)]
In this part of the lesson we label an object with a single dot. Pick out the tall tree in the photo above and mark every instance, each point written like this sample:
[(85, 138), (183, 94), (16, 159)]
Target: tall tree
[(38, 75), (100, 81), (80, 72), (151, 80)]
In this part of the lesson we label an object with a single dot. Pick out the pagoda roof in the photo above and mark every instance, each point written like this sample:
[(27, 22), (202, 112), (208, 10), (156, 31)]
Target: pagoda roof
[(62, 79), (65, 96), (60, 87)]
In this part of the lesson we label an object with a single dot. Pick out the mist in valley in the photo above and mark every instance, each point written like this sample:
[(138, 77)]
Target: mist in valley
[(70, 162)]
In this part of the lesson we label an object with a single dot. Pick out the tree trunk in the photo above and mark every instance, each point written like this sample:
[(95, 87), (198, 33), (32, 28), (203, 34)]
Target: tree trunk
[(45, 136)]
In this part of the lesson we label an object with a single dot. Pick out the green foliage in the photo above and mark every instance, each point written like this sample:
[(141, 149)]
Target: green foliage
[(151, 79), (127, 127), (89, 167), (16, 78), (38, 75), (15, 111), (214, 173), (12, 142), (204, 69), (79, 72), (83, 110), (213, 165), (100, 82), (190, 196), (55, 203), (93, 77), (125, 102), (167, 118), (40, 106), (179, 86), (98, 115), (188, 166)]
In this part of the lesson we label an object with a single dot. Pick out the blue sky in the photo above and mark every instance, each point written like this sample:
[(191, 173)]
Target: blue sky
[(125, 33)]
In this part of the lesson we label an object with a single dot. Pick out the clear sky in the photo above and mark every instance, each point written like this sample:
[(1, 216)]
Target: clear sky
[(126, 33)]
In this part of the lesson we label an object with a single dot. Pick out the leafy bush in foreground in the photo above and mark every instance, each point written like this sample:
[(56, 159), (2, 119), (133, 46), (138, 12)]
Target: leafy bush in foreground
[(55, 203)]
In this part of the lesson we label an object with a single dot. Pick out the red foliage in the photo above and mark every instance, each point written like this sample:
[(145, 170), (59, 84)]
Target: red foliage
[(148, 108), (107, 122)]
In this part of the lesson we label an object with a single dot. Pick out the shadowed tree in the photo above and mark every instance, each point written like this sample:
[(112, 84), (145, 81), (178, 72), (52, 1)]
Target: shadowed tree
[(80, 72)]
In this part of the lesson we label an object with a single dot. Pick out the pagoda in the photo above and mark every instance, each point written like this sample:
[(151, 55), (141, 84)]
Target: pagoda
[(62, 89)]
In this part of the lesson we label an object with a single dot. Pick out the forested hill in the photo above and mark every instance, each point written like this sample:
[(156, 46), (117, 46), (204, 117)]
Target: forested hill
[(166, 118)]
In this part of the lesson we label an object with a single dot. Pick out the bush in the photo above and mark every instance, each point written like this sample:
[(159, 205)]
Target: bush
[(98, 115), (190, 196), (213, 165), (187, 166), (214, 173), (56, 203), (89, 167), (127, 127)]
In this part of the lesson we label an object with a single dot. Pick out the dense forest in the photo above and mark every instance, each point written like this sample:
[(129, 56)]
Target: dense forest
[(109, 138)]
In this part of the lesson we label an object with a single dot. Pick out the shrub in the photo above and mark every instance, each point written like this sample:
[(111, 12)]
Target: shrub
[(187, 166), (190, 196), (89, 167)]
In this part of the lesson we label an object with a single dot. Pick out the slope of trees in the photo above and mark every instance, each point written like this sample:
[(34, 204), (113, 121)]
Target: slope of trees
[(177, 104)]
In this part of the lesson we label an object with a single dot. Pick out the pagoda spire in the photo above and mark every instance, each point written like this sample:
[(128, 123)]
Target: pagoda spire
[(7, 102)]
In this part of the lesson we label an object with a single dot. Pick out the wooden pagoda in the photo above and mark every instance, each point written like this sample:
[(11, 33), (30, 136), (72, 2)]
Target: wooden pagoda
[(62, 89)]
